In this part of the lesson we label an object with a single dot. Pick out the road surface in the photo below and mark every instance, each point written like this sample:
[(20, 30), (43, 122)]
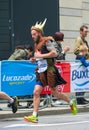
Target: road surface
[(56, 122)]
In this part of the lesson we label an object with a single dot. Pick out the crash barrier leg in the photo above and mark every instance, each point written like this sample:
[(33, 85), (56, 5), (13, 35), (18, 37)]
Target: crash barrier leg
[(27, 103), (47, 101), (44, 102)]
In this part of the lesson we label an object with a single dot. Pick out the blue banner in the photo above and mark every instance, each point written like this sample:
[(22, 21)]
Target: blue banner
[(17, 77)]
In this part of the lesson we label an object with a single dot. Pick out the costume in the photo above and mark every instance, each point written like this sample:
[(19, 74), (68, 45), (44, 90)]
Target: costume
[(46, 73), (51, 75)]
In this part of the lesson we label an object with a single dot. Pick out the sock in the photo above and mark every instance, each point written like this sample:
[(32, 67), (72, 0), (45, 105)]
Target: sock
[(71, 102), (34, 114), (12, 100)]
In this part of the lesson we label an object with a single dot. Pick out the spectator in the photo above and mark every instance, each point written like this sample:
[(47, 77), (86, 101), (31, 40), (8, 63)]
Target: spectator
[(83, 50), (59, 37), (81, 41), (21, 53)]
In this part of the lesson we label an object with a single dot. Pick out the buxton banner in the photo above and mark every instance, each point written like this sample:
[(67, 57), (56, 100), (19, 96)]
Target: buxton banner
[(79, 78)]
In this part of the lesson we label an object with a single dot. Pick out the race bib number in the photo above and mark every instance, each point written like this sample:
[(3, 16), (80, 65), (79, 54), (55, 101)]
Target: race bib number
[(42, 66)]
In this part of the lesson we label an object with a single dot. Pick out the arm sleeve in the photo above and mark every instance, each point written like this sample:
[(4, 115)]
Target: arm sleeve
[(50, 46), (54, 46), (84, 62)]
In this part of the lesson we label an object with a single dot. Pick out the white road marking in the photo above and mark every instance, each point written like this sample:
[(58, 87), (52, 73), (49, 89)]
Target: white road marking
[(45, 125), (59, 116), (65, 116), (49, 125)]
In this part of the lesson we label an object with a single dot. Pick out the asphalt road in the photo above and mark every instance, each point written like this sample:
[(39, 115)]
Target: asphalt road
[(57, 122)]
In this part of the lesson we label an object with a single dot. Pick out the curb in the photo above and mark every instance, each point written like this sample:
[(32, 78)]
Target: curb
[(44, 112)]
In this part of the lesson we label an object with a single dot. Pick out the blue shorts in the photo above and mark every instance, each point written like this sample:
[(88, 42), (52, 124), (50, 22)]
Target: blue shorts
[(39, 83)]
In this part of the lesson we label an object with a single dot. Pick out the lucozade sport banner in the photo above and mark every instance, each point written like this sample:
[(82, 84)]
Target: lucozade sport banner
[(17, 77), (79, 77)]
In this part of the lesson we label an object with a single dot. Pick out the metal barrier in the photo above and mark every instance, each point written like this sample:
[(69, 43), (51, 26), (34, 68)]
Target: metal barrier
[(17, 76), (48, 101)]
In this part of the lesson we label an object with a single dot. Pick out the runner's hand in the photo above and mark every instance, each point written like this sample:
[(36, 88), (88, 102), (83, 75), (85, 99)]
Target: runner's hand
[(33, 59)]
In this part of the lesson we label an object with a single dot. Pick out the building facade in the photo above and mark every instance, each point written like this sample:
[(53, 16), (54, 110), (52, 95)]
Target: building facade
[(17, 16), (73, 14)]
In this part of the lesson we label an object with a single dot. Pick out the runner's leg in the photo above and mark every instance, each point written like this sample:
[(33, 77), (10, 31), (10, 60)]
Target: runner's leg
[(60, 95), (71, 102), (36, 101)]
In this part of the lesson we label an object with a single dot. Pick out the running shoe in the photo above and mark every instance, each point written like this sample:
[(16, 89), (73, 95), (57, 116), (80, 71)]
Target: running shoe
[(14, 105), (73, 107), (33, 119)]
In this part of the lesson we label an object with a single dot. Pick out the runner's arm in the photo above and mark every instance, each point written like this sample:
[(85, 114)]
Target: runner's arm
[(51, 54)]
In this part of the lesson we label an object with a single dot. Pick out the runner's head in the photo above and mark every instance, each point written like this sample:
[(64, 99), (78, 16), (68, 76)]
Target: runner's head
[(37, 31)]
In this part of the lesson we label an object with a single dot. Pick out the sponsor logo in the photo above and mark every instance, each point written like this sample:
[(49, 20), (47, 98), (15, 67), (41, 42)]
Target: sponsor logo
[(77, 74), (80, 75), (7, 78)]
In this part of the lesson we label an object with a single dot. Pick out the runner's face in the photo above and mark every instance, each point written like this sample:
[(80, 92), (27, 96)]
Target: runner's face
[(35, 36), (84, 32)]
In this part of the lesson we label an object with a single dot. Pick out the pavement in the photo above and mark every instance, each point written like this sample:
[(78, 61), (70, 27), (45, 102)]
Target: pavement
[(46, 110)]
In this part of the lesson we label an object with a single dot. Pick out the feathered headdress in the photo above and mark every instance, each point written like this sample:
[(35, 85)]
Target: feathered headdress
[(39, 26)]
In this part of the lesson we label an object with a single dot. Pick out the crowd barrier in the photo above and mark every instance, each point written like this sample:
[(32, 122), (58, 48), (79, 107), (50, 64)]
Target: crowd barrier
[(17, 78)]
